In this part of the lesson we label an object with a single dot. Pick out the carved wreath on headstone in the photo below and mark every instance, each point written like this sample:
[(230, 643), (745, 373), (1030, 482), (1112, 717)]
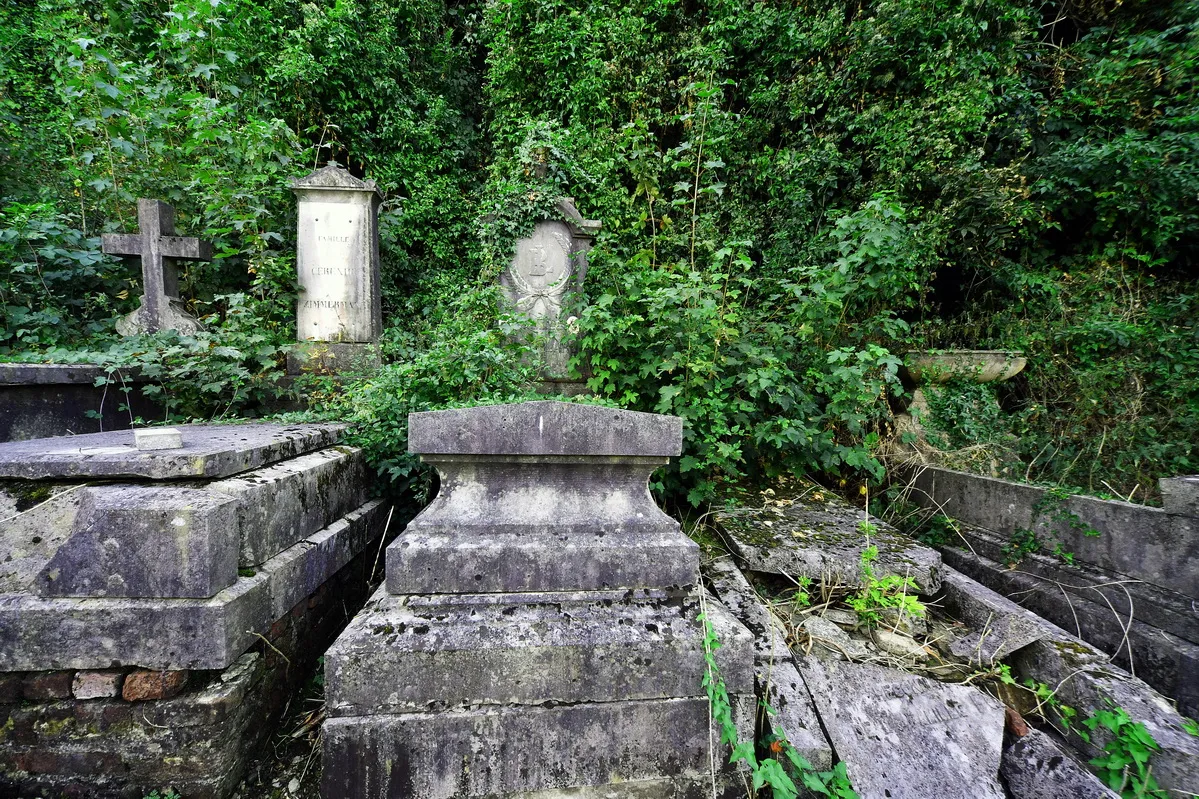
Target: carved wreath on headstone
[(541, 274)]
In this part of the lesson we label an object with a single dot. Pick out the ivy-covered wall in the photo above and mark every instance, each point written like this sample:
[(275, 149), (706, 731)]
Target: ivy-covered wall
[(793, 194)]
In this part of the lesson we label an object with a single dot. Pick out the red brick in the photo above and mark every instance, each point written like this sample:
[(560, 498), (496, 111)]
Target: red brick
[(141, 686), (97, 684), (43, 685)]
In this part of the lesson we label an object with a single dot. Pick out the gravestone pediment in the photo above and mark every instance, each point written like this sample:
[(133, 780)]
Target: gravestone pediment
[(333, 176)]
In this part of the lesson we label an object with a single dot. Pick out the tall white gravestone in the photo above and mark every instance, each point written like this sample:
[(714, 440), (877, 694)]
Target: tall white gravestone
[(547, 269), (337, 258)]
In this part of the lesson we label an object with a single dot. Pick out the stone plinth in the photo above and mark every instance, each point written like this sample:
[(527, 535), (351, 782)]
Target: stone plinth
[(124, 571), (538, 631), (337, 258)]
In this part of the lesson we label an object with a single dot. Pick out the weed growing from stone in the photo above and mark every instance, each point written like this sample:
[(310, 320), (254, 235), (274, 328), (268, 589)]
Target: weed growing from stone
[(1124, 765), (880, 593), (767, 772), (1026, 540)]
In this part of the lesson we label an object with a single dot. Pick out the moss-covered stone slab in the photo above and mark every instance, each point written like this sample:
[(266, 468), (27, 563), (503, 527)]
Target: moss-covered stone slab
[(819, 536)]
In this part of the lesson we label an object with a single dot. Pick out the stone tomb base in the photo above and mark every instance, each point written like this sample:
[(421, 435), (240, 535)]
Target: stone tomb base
[(154, 625), (539, 633)]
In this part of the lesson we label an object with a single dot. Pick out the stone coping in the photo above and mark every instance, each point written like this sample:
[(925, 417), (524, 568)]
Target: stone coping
[(544, 427), (47, 374), (209, 451)]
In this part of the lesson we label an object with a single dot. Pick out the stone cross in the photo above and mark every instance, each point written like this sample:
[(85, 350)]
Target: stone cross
[(159, 248)]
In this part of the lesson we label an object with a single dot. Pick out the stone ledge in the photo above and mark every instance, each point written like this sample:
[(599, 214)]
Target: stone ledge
[(419, 562), (544, 428), (209, 451), (499, 752), (402, 658)]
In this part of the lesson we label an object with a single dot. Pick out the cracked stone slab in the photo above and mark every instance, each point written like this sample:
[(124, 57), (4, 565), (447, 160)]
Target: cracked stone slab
[(795, 715), (209, 451), (408, 654), (821, 539), (998, 625), (739, 597), (903, 736)]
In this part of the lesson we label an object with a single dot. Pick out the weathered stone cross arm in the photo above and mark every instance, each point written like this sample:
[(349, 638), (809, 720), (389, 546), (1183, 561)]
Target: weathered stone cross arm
[(185, 247), (158, 247)]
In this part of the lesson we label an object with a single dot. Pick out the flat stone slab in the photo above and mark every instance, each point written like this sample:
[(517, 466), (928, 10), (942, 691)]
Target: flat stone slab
[(503, 562), (517, 752), (209, 451), (50, 633), (1034, 767), (416, 654), (821, 539), (547, 427), (902, 736)]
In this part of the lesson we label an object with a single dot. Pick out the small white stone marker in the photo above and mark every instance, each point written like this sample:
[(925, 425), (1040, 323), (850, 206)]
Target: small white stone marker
[(158, 438)]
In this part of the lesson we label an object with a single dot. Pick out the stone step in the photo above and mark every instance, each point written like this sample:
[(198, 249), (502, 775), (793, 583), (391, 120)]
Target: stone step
[(45, 633), (420, 562), (416, 654), (518, 752)]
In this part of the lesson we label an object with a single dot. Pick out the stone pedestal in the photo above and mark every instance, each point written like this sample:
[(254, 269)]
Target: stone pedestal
[(538, 633), (337, 263)]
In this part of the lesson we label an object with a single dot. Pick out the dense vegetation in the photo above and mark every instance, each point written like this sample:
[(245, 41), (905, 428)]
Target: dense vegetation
[(792, 196)]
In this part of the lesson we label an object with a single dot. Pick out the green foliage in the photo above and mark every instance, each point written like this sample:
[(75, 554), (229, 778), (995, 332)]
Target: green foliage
[(1124, 765), (790, 197), (165, 793), (879, 593), (766, 772), (471, 356)]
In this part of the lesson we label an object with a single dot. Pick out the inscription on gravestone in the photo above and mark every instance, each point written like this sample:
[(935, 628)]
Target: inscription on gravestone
[(158, 247), (337, 258)]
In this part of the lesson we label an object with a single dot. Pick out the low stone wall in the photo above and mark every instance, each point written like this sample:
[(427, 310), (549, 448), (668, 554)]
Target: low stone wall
[(42, 400), (1131, 590)]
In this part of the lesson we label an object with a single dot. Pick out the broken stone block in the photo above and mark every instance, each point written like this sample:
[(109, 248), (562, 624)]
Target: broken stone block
[(146, 541), (739, 597), (824, 540), (828, 638), (998, 625), (904, 736), (1035, 767), (900, 646)]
